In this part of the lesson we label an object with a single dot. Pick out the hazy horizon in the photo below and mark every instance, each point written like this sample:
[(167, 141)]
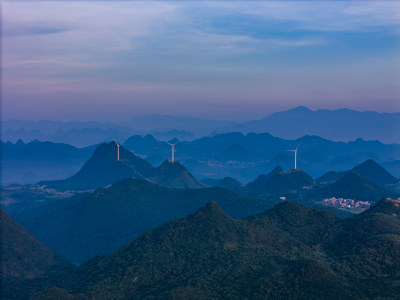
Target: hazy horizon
[(232, 119), (68, 60)]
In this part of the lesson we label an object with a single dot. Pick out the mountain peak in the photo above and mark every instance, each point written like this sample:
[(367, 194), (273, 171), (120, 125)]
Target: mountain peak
[(300, 108), (150, 137), (386, 206), (279, 182), (229, 183), (212, 206), (104, 168), (20, 142), (211, 212), (169, 165), (276, 170), (107, 151), (355, 186), (175, 175), (369, 169), (369, 163), (375, 173)]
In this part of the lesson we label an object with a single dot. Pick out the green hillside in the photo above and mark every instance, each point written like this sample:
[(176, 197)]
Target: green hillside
[(354, 186), (85, 226), (289, 252), (24, 260)]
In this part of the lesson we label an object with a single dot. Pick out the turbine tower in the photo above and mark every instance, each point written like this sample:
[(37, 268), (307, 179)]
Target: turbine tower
[(295, 156), (117, 149), (173, 151)]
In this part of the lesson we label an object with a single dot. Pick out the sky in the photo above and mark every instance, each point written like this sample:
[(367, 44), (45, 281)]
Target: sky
[(111, 60)]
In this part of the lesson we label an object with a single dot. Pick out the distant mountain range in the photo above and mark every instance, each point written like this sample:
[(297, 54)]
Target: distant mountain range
[(103, 169), (288, 252), (366, 182), (246, 156), (297, 186), (79, 134), (182, 135), (339, 125), (235, 155), (28, 163)]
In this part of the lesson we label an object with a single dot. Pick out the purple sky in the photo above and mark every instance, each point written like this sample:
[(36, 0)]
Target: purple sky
[(237, 60)]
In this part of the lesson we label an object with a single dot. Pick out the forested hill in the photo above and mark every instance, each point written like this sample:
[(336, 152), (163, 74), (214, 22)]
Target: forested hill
[(288, 252)]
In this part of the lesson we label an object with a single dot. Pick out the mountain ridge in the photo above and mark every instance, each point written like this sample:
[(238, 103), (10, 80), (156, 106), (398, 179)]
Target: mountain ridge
[(278, 181), (207, 255), (130, 206), (175, 175), (369, 169), (365, 124), (355, 186), (24, 260), (104, 168), (325, 123)]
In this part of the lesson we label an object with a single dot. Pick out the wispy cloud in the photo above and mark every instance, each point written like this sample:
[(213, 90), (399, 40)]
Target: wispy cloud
[(320, 15), (225, 50), (296, 43), (19, 63)]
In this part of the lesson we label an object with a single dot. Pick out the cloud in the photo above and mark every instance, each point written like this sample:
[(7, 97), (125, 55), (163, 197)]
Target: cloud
[(186, 50), (319, 15), (26, 30), (296, 43), (19, 63)]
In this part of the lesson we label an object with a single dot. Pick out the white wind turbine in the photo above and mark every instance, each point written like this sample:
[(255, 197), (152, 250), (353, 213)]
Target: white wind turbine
[(173, 151), (295, 156), (117, 149)]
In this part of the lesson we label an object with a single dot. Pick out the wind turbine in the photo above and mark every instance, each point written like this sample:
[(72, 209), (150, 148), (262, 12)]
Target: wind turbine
[(117, 148), (295, 156), (173, 151)]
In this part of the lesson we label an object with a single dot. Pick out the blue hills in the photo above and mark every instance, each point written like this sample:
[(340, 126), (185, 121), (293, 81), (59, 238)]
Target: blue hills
[(339, 125), (104, 168), (236, 155), (368, 169), (97, 223)]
